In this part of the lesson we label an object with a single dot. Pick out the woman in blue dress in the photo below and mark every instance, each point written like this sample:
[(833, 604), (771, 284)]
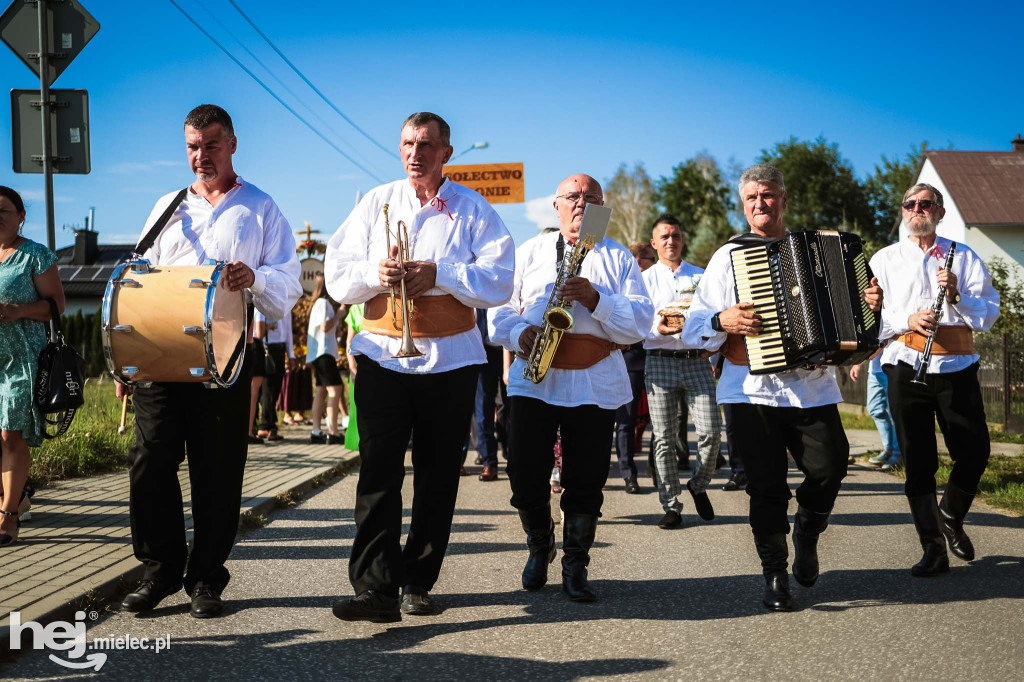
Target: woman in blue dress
[(28, 277)]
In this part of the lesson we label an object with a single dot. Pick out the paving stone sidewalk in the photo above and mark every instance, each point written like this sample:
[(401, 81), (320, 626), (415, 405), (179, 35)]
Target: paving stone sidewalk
[(79, 537)]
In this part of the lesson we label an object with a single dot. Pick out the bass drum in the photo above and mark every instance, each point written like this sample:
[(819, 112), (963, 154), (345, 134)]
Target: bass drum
[(173, 324)]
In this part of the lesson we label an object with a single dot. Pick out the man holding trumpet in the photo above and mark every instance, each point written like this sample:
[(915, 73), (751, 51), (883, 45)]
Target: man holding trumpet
[(422, 254), (912, 272)]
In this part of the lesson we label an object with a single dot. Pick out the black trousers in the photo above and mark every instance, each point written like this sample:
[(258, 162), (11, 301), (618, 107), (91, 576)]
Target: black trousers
[(817, 441), (270, 389), (625, 426), (735, 460), (208, 426), (955, 400), (586, 448), (436, 409)]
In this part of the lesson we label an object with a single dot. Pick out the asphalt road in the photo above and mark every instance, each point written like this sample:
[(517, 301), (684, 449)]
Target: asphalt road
[(681, 604)]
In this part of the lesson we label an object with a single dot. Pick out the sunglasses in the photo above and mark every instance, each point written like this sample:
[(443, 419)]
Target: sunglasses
[(925, 204)]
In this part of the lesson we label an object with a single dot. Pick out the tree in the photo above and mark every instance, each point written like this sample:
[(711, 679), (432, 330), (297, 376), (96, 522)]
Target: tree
[(711, 233), (885, 187), (696, 191), (822, 191), (1011, 295), (630, 195)]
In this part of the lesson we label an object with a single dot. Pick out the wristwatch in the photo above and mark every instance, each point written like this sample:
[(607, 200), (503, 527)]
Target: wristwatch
[(956, 299), (716, 323)]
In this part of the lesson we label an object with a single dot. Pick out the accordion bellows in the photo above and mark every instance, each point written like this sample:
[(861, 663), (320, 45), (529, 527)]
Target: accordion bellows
[(807, 287)]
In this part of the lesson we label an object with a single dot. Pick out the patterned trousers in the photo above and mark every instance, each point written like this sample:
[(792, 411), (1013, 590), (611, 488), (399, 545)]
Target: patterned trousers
[(668, 380)]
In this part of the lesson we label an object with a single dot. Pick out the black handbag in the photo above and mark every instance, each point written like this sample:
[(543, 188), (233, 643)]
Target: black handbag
[(60, 380)]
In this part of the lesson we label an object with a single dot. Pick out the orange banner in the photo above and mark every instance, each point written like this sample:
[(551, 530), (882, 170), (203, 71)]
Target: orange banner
[(499, 183)]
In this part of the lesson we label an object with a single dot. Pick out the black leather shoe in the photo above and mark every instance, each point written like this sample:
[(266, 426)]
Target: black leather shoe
[(416, 601), (577, 538), (776, 593), (806, 529), (370, 606), (670, 520), (735, 482), (773, 551), (206, 602), (702, 503), (632, 487), (925, 512), (147, 595), (953, 508), (478, 460), (335, 439), (540, 539), (318, 438)]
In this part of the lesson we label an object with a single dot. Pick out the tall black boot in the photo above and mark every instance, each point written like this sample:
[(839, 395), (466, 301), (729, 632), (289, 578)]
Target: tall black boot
[(925, 511), (808, 526), (540, 538), (952, 510), (774, 553), (577, 539)]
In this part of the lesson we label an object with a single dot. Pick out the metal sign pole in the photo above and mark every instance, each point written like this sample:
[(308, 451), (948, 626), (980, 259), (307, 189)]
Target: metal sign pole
[(44, 111)]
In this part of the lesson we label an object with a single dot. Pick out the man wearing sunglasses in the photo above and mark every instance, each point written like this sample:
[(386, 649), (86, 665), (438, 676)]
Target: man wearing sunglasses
[(579, 395), (912, 274)]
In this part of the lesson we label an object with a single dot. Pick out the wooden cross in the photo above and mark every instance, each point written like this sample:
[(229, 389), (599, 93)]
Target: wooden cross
[(309, 232)]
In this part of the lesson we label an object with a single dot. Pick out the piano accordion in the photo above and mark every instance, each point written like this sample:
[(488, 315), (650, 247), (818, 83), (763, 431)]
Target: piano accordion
[(807, 288)]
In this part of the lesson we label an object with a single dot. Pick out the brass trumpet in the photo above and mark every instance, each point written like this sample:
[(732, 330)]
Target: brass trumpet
[(402, 240)]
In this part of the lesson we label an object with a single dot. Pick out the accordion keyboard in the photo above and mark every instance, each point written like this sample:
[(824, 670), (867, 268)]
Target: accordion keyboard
[(753, 277)]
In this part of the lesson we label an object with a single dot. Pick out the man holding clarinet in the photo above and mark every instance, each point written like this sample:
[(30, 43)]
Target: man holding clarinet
[(938, 294)]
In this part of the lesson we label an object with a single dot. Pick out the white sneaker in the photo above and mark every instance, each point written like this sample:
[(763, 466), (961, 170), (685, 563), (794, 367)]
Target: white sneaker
[(881, 458), (344, 423), (894, 462)]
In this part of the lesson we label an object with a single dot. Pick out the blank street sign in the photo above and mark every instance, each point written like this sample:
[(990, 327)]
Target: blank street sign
[(69, 28), (69, 131)]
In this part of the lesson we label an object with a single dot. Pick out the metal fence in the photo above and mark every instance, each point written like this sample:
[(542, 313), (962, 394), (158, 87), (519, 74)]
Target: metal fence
[(1001, 376)]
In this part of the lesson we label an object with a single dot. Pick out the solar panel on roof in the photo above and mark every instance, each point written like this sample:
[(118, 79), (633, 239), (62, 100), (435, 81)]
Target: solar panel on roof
[(103, 273)]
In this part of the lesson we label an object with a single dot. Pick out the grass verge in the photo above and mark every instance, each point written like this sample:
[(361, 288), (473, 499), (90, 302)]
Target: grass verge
[(1002, 484), (92, 445)]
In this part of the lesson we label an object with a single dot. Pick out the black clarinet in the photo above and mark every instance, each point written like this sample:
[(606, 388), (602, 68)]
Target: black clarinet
[(921, 366)]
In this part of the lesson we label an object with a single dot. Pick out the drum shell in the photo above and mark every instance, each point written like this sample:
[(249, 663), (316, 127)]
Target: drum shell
[(159, 308)]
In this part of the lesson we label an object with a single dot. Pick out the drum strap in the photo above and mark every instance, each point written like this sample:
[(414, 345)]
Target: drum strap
[(158, 226)]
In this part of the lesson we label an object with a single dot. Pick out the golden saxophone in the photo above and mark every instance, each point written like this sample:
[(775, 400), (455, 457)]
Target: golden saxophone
[(558, 317)]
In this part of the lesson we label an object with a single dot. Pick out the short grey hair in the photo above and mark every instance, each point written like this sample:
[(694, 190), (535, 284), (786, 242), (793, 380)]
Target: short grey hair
[(936, 194), (422, 118), (761, 172)]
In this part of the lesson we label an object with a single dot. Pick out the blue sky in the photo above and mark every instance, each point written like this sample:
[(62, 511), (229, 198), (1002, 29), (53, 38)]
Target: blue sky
[(562, 88)]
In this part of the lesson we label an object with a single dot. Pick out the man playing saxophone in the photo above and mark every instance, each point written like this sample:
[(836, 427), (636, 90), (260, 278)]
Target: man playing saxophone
[(580, 391), (445, 246)]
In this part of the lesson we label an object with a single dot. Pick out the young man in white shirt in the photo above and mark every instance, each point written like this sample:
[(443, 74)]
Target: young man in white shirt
[(675, 373), (461, 258), (793, 410), (912, 273), (579, 394), (221, 218)]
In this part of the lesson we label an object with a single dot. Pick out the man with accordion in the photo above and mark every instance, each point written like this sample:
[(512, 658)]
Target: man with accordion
[(940, 293), (784, 401), (570, 382)]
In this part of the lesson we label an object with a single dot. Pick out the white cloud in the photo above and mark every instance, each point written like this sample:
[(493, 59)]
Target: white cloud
[(542, 212)]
